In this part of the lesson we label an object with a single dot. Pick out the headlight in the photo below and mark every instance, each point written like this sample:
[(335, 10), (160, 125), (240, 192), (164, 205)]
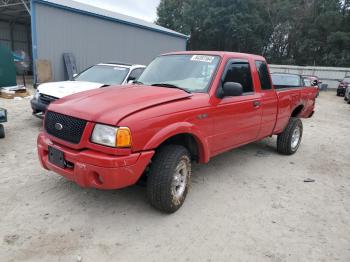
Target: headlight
[(111, 136)]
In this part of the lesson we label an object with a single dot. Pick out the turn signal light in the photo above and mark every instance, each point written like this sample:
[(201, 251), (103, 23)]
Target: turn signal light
[(123, 138)]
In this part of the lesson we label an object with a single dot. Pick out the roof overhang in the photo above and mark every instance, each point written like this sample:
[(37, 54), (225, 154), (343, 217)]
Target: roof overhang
[(15, 11), (90, 10)]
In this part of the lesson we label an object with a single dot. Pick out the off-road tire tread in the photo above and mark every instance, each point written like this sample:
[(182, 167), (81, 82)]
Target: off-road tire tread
[(284, 139), (161, 175)]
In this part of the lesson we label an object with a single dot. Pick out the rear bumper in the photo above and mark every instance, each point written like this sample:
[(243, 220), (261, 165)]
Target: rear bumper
[(93, 169), (341, 90)]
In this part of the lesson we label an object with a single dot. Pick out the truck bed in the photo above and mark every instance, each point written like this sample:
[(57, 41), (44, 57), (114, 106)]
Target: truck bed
[(301, 99)]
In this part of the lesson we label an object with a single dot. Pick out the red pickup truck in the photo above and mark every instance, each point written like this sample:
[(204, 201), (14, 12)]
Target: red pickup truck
[(186, 106)]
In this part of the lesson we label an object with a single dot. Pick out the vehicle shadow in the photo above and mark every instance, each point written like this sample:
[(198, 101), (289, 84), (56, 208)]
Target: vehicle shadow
[(34, 122), (133, 200), (235, 159)]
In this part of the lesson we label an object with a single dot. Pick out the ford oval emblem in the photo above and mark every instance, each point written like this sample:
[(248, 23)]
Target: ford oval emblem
[(58, 126)]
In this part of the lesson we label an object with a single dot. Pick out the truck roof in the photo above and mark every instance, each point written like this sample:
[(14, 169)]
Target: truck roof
[(219, 53)]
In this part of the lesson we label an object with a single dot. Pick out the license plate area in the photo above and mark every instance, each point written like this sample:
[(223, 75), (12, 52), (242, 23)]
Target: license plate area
[(56, 157)]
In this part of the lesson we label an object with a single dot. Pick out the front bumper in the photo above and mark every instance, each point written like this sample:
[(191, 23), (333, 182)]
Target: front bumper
[(92, 169), (38, 107)]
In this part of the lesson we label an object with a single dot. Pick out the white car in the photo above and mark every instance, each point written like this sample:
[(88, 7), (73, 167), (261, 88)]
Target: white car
[(97, 76)]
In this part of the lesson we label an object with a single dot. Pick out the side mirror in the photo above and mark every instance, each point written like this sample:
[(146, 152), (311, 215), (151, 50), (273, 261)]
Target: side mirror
[(130, 82), (315, 83), (74, 75), (232, 89)]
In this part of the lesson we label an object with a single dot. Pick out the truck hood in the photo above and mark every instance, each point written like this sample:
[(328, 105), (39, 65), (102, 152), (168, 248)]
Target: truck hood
[(65, 88), (110, 105)]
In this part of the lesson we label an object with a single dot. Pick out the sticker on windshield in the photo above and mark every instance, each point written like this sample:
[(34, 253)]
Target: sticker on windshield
[(203, 58)]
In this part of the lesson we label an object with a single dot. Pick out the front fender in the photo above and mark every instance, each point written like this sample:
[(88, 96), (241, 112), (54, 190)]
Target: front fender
[(177, 129)]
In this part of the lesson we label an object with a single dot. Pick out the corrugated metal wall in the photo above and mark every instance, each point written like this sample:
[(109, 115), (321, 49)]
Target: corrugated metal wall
[(20, 37), (5, 37), (93, 40)]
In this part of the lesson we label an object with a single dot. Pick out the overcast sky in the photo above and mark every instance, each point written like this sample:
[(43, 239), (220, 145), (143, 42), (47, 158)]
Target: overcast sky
[(143, 9)]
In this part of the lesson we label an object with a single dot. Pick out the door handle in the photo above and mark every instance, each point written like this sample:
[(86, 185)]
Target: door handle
[(256, 103)]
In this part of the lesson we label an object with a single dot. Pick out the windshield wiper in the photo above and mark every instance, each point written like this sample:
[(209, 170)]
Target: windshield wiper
[(171, 86)]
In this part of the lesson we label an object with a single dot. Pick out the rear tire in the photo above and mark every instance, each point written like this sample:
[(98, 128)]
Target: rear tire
[(2, 131), (169, 178), (289, 141)]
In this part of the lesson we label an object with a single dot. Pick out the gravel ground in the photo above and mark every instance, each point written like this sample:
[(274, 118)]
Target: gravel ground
[(250, 204)]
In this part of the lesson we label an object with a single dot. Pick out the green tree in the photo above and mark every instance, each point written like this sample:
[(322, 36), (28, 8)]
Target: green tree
[(303, 32)]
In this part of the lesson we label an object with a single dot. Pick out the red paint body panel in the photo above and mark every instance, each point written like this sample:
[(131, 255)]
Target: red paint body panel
[(128, 100), (154, 114), (95, 169)]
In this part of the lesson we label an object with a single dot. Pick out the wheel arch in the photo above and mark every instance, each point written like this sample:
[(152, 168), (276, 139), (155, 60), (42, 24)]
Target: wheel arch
[(184, 134), (297, 110)]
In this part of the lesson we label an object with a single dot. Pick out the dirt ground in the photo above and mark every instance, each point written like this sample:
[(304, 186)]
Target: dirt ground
[(250, 204)]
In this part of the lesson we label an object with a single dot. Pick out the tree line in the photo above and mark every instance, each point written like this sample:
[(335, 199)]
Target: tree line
[(298, 32)]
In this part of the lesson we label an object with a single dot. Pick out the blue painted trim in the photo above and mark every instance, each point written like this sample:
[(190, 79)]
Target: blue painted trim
[(74, 10), (34, 39)]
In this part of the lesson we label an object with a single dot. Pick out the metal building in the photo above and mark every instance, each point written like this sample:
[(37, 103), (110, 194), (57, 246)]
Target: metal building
[(15, 31), (92, 34)]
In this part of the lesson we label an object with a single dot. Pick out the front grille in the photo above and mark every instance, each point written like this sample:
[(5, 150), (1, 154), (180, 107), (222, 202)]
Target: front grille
[(45, 99), (64, 127)]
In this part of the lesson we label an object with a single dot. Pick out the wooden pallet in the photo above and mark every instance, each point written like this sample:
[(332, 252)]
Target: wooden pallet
[(11, 95)]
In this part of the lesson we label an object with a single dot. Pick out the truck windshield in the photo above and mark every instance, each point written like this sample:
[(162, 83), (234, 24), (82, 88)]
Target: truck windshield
[(285, 80), (104, 74), (192, 73)]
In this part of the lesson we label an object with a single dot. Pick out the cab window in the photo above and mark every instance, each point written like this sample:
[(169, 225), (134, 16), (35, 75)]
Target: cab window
[(264, 76), (239, 72)]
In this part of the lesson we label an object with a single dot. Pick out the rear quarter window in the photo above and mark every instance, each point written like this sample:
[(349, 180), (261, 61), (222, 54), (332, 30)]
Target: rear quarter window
[(286, 81), (264, 76)]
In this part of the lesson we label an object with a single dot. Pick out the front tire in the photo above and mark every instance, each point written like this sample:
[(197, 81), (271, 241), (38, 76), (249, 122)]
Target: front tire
[(169, 178), (2, 131), (289, 141)]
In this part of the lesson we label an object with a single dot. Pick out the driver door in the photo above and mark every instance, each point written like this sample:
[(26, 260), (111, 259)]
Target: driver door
[(237, 120)]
